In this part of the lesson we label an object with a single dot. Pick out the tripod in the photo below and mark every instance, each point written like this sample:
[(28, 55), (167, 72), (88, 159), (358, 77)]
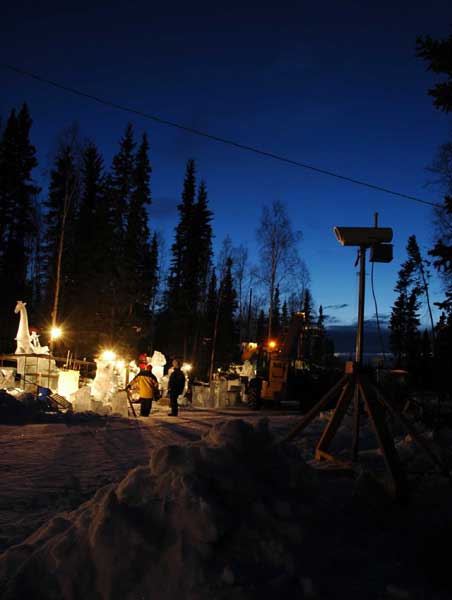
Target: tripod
[(356, 386)]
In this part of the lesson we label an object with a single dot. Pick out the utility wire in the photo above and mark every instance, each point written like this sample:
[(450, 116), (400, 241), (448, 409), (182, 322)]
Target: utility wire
[(214, 137)]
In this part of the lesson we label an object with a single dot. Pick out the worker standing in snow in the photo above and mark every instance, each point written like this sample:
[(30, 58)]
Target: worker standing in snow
[(148, 387), (176, 385)]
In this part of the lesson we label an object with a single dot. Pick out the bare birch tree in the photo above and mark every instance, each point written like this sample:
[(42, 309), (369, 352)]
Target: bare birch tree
[(278, 252), (240, 258)]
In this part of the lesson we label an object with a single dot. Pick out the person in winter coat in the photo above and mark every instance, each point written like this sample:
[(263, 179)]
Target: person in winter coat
[(148, 386), (176, 385)]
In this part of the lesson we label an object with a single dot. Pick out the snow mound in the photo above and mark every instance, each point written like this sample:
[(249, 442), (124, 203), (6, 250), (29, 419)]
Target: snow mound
[(200, 521)]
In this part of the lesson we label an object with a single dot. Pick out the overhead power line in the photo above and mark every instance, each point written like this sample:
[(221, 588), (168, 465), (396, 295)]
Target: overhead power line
[(215, 138)]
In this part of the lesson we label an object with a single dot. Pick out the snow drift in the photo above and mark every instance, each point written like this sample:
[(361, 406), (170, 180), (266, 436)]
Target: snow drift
[(204, 520)]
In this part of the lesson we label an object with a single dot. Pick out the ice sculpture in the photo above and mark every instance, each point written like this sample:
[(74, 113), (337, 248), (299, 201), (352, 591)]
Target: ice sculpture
[(39, 370)]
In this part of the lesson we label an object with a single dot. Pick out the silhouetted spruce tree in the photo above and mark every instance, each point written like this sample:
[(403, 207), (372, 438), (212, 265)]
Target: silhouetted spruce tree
[(120, 187), (36, 266), (442, 257), (190, 262), (404, 322), (154, 270), (154, 287), (179, 248), (417, 274), (211, 304), (227, 337), (177, 295), (93, 243), (140, 269), (397, 326), (17, 195), (59, 248), (202, 239), (438, 55), (308, 307), (122, 183), (207, 327), (198, 264)]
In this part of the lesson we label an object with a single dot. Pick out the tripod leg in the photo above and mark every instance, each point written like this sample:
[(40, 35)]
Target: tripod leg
[(334, 423), (356, 415), (131, 405), (411, 430), (377, 417), (315, 410)]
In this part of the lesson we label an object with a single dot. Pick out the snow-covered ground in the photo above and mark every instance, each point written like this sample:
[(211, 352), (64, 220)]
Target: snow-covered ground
[(207, 506)]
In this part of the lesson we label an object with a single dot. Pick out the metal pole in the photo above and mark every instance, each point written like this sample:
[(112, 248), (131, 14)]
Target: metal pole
[(362, 288)]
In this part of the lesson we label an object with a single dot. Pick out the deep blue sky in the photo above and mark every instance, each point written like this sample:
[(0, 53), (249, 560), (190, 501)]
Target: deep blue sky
[(336, 85)]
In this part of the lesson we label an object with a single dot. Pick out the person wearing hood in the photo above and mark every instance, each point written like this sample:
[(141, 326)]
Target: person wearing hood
[(147, 385)]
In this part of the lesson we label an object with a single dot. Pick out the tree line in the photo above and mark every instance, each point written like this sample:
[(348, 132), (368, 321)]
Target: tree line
[(85, 253)]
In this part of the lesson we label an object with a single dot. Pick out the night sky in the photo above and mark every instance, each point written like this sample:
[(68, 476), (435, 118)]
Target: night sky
[(335, 85)]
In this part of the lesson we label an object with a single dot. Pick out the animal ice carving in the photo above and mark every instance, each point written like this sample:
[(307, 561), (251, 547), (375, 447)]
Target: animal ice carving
[(27, 343), (23, 338)]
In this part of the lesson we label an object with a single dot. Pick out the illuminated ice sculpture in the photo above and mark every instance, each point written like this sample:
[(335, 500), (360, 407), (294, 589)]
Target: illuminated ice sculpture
[(158, 361), (40, 369)]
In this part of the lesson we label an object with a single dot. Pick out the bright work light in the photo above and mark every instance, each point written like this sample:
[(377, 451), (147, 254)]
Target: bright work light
[(55, 333)]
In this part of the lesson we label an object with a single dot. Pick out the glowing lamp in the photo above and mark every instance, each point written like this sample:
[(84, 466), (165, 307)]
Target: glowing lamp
[(272, 344), (55, 333), (186, 367), (108, 355)]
